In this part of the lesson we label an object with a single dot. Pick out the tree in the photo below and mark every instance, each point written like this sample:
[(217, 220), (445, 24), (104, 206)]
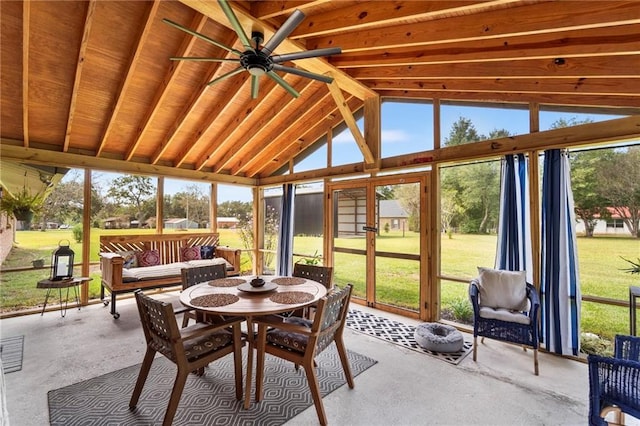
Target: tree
[(408, 195), (620, 185), (238, 209), (132, 191), (589, 203)]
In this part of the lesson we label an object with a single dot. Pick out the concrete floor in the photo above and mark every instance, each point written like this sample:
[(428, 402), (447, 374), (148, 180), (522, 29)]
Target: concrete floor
[(403, 388)]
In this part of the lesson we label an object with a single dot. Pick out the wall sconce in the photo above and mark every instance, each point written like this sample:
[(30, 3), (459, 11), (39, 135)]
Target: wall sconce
[(62, 262)]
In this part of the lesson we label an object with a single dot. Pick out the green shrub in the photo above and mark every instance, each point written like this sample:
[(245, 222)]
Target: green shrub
[(77, 232), (461, 310)]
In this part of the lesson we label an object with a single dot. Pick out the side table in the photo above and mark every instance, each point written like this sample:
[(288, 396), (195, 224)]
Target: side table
[(634, 293), (72, 282)]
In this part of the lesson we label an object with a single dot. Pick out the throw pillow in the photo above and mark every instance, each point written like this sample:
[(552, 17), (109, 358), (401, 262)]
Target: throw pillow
[(149, 258), (130, 258), (190, 253), (207, 252), (503, 289)]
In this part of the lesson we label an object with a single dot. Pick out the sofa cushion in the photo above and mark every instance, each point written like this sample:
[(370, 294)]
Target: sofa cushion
[(207, 262), (148, 258), (130, 258), (158, 271), (503, 289), (504, 315), (189, 253), (207, 252)]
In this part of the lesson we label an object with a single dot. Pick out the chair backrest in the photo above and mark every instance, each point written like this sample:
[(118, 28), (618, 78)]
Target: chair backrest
[(200, 274), (159, 325), (331, 317), (627, 347), (321, 274)]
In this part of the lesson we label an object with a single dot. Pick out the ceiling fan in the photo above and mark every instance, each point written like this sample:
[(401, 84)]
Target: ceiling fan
[(257, 58)]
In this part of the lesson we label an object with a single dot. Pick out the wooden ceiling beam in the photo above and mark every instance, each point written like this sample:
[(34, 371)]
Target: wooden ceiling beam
[(350, 121), (26, 28), (597, 101), (227, 138), (252, 133), (372, 14), (88, 22), (326, 117), (197, 96), (600, 66), (582, 86), (540, 18), (315, 65), (127, 78), (273, 9), (590, 42), (9, 151), (167, 84), (267, 145)]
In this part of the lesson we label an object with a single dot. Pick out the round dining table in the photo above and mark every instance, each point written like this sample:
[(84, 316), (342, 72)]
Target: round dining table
[(236, 296)]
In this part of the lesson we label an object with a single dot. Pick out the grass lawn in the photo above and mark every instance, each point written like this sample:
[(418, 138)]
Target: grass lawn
[(600, 263)]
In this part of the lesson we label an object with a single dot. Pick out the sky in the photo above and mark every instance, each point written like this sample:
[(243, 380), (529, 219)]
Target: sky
[(406, 128)]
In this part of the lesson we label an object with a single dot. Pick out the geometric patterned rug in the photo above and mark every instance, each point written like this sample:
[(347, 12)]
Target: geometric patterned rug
[(400, 334), (206, 400), (11, 353)]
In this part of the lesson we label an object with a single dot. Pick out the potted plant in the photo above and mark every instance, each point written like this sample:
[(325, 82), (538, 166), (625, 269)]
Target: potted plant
[(22, 205)]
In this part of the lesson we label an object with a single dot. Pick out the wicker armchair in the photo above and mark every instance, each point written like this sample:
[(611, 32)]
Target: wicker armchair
[(511, 323), (191, 348), (614, 383), (299, 340), (197, 275)]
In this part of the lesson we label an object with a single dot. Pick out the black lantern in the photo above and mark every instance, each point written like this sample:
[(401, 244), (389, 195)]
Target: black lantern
[(62, 262)]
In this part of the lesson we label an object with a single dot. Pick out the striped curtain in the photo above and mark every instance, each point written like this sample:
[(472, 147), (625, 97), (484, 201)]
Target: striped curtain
[(514, 229), (560, 290), (285, 240)]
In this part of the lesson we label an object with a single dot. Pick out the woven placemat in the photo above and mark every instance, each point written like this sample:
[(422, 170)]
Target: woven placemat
[(289, 281), (291, 297), (226, 282), (214, 300)]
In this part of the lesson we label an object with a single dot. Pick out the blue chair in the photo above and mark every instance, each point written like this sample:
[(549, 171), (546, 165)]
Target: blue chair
[(506, 323), (614, 383)]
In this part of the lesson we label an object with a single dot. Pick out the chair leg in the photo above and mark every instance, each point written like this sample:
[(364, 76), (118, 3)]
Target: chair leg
[(535, 361), (237, 359), (142, 377), (176, 393), (185, 319), (475, 347), (342, 351), (315, 392)]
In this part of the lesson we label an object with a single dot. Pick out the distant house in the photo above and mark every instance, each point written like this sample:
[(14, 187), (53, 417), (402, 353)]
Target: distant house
[(227, 222), (613, 225), (180, 223), (392, 213), (116, 222)]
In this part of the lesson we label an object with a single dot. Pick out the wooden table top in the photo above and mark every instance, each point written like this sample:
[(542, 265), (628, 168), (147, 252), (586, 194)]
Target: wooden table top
[(226, 296), (47, 283)]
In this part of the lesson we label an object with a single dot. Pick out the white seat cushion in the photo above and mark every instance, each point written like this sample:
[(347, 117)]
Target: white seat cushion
[(504, 315), (503, 289)]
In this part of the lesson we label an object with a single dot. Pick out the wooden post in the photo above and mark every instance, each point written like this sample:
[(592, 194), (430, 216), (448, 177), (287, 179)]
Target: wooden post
[(86, 236), (160, 205)]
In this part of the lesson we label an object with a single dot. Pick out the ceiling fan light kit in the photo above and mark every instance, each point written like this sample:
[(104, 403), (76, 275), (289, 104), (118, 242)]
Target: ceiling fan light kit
[(257, 59)]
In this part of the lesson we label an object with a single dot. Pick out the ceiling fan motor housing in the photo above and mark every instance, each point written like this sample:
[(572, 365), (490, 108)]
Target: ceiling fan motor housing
[(256, 62)]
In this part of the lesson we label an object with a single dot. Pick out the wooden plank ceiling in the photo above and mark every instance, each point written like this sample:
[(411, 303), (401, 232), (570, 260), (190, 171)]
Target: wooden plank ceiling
[(93, 78)]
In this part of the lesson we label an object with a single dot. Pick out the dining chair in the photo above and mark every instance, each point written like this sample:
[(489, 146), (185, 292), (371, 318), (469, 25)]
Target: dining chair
[(321, 274), (197, 275), (300, 340), (191, 348)]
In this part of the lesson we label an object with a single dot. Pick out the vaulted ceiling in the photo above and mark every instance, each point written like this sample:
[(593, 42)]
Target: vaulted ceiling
[(90, 83)]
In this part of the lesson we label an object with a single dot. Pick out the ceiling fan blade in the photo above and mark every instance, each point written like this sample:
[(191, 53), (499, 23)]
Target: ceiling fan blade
[(199, 59), (255, 84), (201, 36), (306, 54), (284, 84), (233, 19), (287, 28), (303, 73), (225, 76)]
